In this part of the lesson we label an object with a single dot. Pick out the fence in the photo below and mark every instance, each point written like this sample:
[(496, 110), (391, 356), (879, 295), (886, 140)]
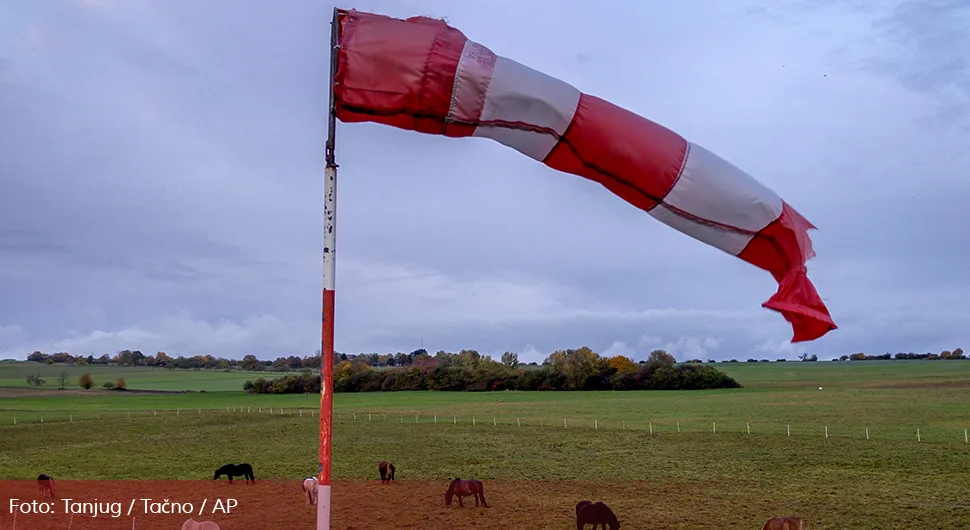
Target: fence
[(660, 427)]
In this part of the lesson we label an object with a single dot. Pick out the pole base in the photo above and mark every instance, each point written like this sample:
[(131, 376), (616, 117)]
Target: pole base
[(323, 507)]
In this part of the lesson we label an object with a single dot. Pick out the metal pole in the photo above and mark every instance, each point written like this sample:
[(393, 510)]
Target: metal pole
[(329, 273)]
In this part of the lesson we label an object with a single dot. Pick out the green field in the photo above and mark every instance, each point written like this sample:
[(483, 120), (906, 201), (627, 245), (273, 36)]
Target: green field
[(890, 480)]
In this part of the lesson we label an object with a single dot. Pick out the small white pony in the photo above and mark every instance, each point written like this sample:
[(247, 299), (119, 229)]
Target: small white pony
[(310, 488), (192, 524)]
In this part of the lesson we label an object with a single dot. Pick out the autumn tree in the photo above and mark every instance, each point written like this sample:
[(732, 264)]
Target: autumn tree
[(249, 362), (120, 384), (661, 357), (623, 364), (510, 359), (85, 381)]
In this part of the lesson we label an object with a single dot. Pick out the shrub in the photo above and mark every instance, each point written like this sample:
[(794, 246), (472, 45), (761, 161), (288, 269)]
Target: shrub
[(85, 381), (120, 384)]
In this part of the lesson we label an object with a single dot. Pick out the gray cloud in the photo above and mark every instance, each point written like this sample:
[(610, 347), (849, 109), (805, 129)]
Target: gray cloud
[(160, 183)]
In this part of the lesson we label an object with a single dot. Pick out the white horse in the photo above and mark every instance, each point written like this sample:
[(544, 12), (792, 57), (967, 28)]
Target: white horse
[(310, 488), (192, 524)]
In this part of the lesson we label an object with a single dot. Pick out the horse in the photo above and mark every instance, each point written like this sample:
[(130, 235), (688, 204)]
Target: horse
[(45, 485), (596, 515), (784, 523), (235, 470), (192, 524), (310, 488), (386, 469), (465, 488)]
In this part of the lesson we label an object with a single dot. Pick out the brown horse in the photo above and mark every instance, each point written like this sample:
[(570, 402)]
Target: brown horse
[(596, 515), (386, 469), (784, 523), (45, 485), (465, 488)]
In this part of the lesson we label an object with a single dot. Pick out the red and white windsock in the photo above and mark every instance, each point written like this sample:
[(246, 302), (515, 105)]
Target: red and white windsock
[(423, 75)]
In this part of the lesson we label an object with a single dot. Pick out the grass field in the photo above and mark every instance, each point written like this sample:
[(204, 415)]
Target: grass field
[(844, 481)]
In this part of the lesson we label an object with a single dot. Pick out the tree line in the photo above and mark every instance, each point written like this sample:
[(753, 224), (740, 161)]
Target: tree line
[(85, 381), (580, 369)]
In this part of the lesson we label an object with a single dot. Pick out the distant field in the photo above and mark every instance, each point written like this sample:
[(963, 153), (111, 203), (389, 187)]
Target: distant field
[(137, 377), (846, 481)]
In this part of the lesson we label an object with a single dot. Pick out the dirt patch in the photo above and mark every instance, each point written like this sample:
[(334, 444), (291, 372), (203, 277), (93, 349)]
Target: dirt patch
[(6, 392), (358, 505)]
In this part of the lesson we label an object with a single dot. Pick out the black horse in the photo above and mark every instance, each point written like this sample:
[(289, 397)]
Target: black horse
[(595, 514), (235, 470), (45, 485)]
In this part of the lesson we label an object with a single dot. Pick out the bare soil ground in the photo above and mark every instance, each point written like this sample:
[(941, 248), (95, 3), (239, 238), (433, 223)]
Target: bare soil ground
[(359, 505)]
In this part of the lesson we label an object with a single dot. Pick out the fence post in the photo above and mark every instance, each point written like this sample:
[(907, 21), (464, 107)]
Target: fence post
[(301, 413), (564, 423), (596, 424), (867, 433), (493, 421), (965, 439), (178, 412), (826, 432), (678, 426), (155, 413), (714, 426), (248, 410), (455, 419), (227, 409), (355, 416), (14, 420), (517, 422), (749, 428), (415, 418), (651, 428), (473, 420), (402, 418), (368, 416), (72, 418), (435, 419), (917, 435), (789, 429), (624, 426)]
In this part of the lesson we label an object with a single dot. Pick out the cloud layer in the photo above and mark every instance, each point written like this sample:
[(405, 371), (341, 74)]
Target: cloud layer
[(161, 162)]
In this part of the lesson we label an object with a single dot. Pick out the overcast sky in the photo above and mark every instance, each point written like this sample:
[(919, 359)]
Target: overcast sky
[(161, 164)]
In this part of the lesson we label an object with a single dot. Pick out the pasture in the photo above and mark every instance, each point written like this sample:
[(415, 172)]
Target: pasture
[(532, 465)]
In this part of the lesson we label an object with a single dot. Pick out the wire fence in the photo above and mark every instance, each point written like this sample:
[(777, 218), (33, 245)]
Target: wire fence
[(659, 427)]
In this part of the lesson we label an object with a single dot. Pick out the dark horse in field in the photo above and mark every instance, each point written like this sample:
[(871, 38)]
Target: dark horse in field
[(235, 470), (386, 469), (465, 488), (595, 514), (45, 485)]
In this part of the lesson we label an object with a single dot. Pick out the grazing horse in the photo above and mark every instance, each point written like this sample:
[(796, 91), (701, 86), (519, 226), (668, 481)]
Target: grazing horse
[(596, 515), (386, 469), (235, 470), (465, 488), (310, 488), (192, 524), (784, 523), (45, 485)]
